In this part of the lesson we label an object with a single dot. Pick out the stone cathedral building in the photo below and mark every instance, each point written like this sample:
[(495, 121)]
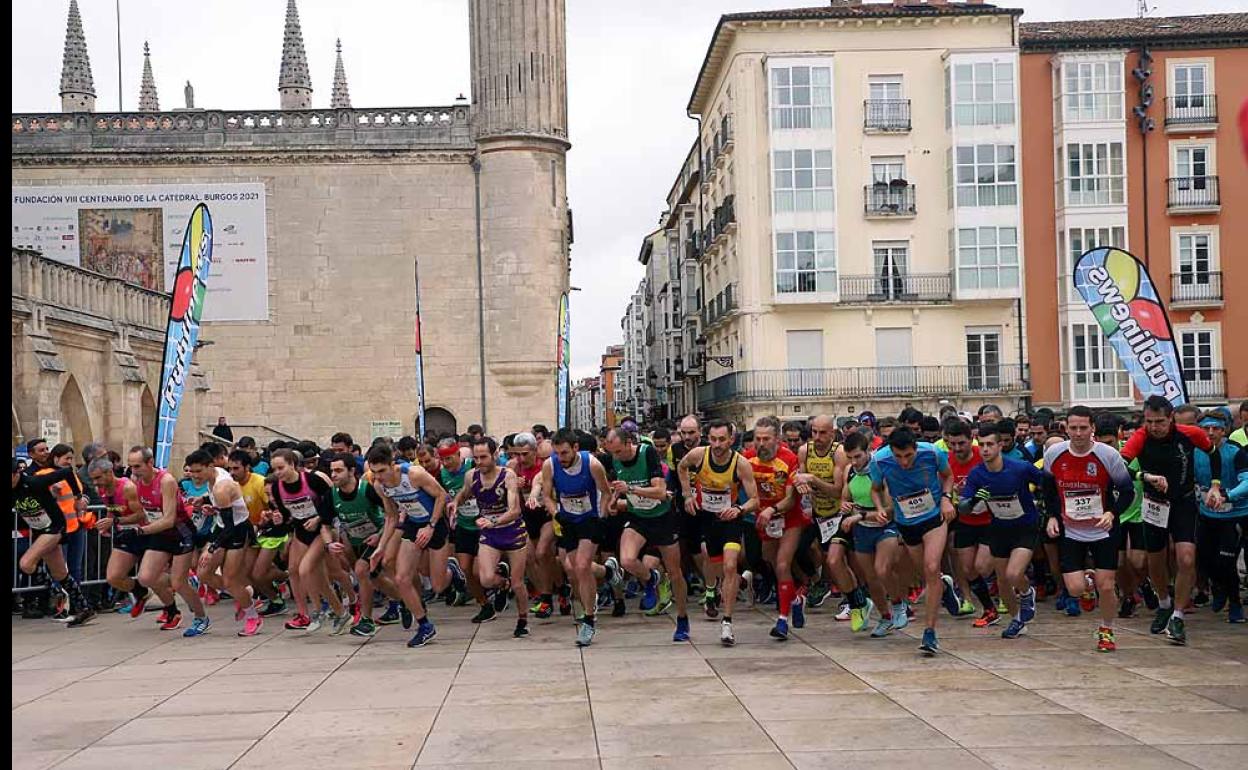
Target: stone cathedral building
[(353, 200)]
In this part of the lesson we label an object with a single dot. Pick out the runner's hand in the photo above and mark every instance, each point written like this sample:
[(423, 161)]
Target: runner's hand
[(877, 517), (452, 508), (691, 507), (104, 524), (947, 511), (483, 523), (731, 513), (848, 522), (764, 516), (312, 524), (374, 561), (619, 486), (371, 541), (205, 563), (336, 547), (424, 536), (983, 494), (1052, 529), (1214, 499), (1157, 482), (847, 506), (1106, 521)]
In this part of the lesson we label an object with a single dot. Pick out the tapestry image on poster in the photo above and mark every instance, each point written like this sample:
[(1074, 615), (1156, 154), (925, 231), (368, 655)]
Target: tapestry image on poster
[(124, 243)]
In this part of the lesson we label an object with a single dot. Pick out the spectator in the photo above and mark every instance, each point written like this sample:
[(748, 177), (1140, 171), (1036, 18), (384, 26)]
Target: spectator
[(222, 430)]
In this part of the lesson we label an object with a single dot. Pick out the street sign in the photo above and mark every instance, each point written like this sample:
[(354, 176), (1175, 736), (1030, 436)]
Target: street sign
[(385, 429), (50, 430)]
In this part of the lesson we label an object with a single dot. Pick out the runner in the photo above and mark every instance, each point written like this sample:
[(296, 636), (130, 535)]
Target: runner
[(711, 495), (1080, 476), (580, 492), (780, 519), (972, 558), (692, 548), (418, 502), (1167, 454), (641, 492), (504, 542), (1132, 556), (467, 536), (919, 481), (34, 502), (256, 498), (124, 513), (874, 537), (542, 567), (1222, 480), (361, 514), (169, 549), (1002, 486)]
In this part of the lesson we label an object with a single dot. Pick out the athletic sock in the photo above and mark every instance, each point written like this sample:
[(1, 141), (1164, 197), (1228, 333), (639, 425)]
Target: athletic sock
[(1178, 613), (423, 619), (140, 591), (588, 620), (980, 588), (1166, 603), (788, 592), (727, 618), (857, 598)]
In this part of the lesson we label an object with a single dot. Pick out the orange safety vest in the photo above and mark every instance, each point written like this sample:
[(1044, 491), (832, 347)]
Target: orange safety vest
[(66, 501)]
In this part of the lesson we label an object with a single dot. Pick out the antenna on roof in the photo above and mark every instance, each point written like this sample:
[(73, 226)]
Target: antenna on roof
[(1143, 9)]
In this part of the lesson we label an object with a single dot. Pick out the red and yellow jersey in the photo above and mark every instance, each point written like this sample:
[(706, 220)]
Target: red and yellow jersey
[(772, 478)]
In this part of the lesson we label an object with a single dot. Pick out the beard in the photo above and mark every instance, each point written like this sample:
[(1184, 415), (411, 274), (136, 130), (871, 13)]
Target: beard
[(766, 454)]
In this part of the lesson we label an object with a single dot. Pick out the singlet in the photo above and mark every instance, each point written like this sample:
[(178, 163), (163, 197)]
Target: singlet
[(772, 477), (414, 503), (152, 501), (491, 501), (201, 515), (302, 502), (525, 477), (577, 492), (358, 513), (234, 515), (638, 474), (916, 491), (115, 504), (979, 516), (1083, 485), (822, 467), (452, 482), (255, 496), (858, 489), (716, 485)]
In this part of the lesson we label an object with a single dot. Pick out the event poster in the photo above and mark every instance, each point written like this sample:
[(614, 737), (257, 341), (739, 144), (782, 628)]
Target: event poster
[(136, 232)]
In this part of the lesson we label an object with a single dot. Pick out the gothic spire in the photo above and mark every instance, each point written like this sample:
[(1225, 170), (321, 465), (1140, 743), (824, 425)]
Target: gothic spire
[(77, 87), (148, 101), (294, 83), (340, 97)]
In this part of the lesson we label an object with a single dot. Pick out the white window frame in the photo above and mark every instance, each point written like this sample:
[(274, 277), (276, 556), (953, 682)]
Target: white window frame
[(890, 266), (1102, 187), (800, 106), (1107, 380), (822, 247), (986, 98), (988, 374), (1194, 376), (1097, 96), (886, 83), (1177, 149), (787, 176), (1172, 83), (987, 250), (985, 184)]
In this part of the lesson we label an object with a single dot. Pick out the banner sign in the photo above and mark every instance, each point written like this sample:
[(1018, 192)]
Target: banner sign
[(1124, 300), (384, 429), (420, 368), (136, 232), (563, 361), (190, 286)]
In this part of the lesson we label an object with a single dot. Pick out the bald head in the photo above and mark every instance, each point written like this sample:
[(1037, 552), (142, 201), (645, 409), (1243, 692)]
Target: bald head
[(823, 432), (690, 431)]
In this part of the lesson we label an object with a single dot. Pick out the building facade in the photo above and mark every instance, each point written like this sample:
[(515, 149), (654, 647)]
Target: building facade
[(1130, 140), (609, 375), (587, 404), (354, 199), (633, 395), (857, 210)]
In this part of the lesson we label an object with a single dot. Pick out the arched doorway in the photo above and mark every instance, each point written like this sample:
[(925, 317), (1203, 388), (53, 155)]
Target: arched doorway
[(439, 421), (75, 425), (147, 408)]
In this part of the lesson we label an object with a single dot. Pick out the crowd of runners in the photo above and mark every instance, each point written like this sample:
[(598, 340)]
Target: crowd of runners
[(977, 516)]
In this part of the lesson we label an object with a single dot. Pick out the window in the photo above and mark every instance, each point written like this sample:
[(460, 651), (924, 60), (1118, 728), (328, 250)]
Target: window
[(983, 359), (801, 97), (1191, 87), (1191, 164), (1086, 238), (1194, 258), (803, 180), (1094, 174), (1196, 350), (983, 94), (886, 169), (1092, 91), (805, 262), (1097, 375), (988, 258), (892, 262), (985, 175), (884, 88)]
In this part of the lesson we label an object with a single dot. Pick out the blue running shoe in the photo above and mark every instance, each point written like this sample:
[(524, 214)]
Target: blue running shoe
[(1061, 601), (390, 616), (125, 608), (1015, 629), (1072, 607), (651, 596), (949, 597), (199, 627), (424, 634), (632, 588), (1026, 607), (1235, 613), (929, 646), (682, 630), (458, 579), (781, 631), (900, 618), (798, 610)]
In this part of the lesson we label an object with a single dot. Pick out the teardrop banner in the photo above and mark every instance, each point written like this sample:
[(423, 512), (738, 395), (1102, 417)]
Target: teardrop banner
[(563, 361), (190, 286), (1124, 300)]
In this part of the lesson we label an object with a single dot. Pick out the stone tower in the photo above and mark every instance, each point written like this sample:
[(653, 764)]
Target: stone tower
[(293, 82), (519, 101), (148, 101), (77, 87), (340, 96)]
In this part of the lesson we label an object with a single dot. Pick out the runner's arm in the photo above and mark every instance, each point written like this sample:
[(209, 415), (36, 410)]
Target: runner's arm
[(324, 498), (513, 500), (546, 481), (599, 475), (691, 459), (1120, 477), (133, 511), (424, 480), (745, 475)]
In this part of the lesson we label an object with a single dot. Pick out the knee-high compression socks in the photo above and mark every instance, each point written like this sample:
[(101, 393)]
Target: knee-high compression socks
[(788, 591), (77, 601), (979, 587)]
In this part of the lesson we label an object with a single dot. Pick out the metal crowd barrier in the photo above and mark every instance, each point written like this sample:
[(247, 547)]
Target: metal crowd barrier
[(96, 549)]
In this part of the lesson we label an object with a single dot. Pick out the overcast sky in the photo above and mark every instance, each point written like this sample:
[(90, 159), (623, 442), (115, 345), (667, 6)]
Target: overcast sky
[(631, 66)]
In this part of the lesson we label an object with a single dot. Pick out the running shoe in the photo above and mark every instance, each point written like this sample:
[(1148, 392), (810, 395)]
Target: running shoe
[(929, 645), (605, 599), (725, 634), (818, 594), (859, 618), (501, 598), (632, 588), (915, 595), (339, 624), (138, 605), (199, 627), (405, 615), (665, 589), (845, 612), (485, 614), (503, 570), (781, 630), (651, 596), (949, 596), (664, 604), (1150, 597), (1015, 629), (798, 611), (619, 608), (1027, 606), (882, 629), (1219, 602), (989, 618), (709, 603), (458, 578), (900, 618), (424, 633), (1059, 604), (584, 635), (1002, 607), (390, 616), (1126, 608), (356, 611), (1201, 599), (172, 621), (1105, 640), (239, 611), (122, 609), (210, 595), (462, 598), (274, 607), (542, 609), (965, 607), (615, 575), (1176, 631), (565, 606), (746, 591), (315, 621), (1160, 620), (1087, 601), (682, 630), (192, 579), (766, 595), (1073, 607), (81, 618), (1235, 613), (522, 629), (299, 622), (251, 626)]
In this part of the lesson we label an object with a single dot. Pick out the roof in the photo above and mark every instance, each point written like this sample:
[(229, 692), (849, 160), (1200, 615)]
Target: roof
[(1213, 30), (880, 10)]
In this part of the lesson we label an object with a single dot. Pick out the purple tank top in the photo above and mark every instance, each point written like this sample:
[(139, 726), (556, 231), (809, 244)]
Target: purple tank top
[(492, 501)]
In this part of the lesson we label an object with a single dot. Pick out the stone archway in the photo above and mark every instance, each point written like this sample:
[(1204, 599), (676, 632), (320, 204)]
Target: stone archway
[(440, 420), (147, 410), (75, 423)]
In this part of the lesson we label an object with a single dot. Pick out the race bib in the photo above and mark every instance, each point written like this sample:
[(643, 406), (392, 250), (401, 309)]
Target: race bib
[(715, 502), (1084, 504), (412, 509), (301, 509), (577, 506), (469, 509), (642, 503), (153, 514), (1006, 507), (199, 519), (1156, 512), (914, 506), (362, 529), (775, 527), (829, 527), (38, 520)]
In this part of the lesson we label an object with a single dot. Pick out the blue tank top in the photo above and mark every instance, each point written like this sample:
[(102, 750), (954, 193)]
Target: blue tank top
[(578, 494), (413, 502)]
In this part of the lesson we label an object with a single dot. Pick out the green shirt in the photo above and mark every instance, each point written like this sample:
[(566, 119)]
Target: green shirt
[(452, 482), (1132, 514), (1240, 436), (638, 473), (360, 513)]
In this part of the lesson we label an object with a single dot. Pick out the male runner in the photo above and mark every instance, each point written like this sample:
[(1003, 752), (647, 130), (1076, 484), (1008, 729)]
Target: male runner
[(794, 436), (1087, 487), (711, 494), (1132, 556), (1222, 480), (124, 513), (780, 519), (1167, 454), (689, 528), (920, 483), (972, 559), (874, 537), (361, 513), (233, 536), (542, 567), (34, 502), (466, 536), (256, 497)]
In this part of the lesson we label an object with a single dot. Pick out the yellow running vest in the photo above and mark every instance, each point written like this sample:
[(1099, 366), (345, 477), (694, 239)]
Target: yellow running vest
[(824, 469)]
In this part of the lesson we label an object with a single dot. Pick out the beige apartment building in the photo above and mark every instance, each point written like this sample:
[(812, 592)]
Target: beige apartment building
[(854, 213)]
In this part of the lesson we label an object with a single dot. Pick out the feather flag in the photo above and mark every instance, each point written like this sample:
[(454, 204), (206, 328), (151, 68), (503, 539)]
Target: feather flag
[(190, 285), (562, 361), (420, 367), (1124, 300)]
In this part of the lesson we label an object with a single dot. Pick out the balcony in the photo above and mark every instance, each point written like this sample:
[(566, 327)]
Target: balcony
[(888, 200), (725, 135), (886, 115), (725, 218), (1196, 289), (855, 384), (901, 288), (1193, 112), (720, 306), (1192, 195), (1205, 384)]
